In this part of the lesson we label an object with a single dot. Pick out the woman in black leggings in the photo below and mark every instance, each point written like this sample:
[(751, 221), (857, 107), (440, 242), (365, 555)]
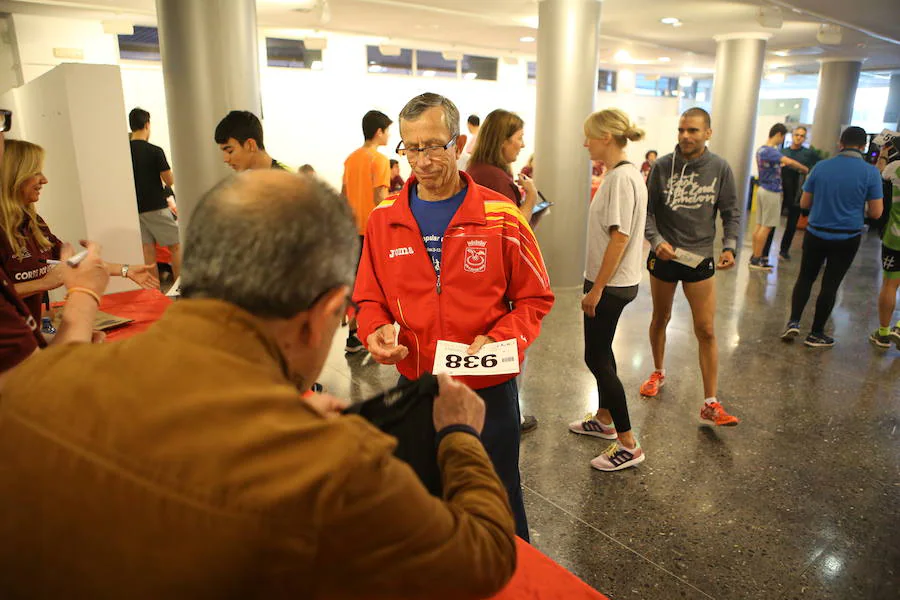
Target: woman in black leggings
[(613, 270)]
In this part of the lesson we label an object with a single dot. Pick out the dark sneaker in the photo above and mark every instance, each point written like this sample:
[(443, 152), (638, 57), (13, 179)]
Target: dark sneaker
[(818, 340), (882, 341), (529, 423), (895, 336), (318, 388), (354, 345), (758, 264), (791, 331)]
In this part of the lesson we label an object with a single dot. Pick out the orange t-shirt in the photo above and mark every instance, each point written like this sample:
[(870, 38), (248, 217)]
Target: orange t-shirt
[(365, 170)]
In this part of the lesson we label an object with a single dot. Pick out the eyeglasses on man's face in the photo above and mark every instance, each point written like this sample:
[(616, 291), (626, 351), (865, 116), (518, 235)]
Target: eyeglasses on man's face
[(413, 153)]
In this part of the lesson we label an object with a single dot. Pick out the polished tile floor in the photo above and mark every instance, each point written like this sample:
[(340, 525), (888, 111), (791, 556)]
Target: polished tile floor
[(802, 500)]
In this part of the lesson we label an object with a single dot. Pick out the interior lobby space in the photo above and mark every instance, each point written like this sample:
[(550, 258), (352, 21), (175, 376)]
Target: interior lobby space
[(799, 501)]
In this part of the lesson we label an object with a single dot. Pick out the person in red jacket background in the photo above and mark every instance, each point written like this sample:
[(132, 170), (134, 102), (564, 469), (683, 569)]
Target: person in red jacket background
[(448, 259)]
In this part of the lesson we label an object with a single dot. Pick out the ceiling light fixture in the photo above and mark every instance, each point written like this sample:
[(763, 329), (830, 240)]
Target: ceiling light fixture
[(664, 59), (527, 39), (670, 20), (782, 53), (622, 56)]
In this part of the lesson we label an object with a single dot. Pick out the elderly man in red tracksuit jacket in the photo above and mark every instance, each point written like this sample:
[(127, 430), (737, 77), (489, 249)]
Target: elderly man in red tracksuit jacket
[(448, 259)]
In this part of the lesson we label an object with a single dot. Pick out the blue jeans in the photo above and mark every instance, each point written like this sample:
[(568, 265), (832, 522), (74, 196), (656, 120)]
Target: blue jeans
[(500, 437)]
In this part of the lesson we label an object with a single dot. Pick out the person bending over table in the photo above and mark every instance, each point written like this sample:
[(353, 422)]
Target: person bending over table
[(26, 242)]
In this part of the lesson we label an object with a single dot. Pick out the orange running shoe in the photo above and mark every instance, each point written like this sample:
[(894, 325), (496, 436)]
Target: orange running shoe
[(714, 414), (651, 387)]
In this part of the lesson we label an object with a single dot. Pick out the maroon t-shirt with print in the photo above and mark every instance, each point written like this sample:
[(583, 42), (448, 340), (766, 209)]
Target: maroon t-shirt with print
[(28, 266), (20, 333)]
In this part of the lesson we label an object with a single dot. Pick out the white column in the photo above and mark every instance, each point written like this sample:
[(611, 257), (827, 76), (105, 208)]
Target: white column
[(834, 102), (566, 86), (735, 99), (210, 67)]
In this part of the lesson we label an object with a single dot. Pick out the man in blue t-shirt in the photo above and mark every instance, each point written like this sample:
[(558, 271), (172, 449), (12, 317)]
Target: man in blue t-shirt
[(769, 161), (836, 193)]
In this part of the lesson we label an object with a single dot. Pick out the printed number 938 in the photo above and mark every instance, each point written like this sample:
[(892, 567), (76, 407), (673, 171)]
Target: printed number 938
[(488, 361)]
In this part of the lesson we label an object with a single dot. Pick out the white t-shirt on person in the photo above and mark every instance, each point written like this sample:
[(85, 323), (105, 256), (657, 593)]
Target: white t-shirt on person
[(621, 201)]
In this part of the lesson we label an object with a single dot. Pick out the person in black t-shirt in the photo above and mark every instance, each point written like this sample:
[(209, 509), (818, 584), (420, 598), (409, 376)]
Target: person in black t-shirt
[(151, 173)]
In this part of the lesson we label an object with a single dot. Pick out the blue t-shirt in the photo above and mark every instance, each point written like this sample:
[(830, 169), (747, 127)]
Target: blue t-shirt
[(841, 186), (433, 218), (768, 162)]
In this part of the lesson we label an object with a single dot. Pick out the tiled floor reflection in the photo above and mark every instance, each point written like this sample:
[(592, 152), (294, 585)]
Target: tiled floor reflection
[(801, 501)]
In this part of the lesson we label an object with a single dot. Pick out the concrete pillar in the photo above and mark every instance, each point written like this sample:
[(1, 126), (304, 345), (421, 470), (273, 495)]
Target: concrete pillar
[(735, 99), (566, 87), (210, 67), (834, 102)]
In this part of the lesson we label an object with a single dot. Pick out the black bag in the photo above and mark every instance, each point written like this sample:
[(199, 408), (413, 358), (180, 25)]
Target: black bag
[(405, 412)]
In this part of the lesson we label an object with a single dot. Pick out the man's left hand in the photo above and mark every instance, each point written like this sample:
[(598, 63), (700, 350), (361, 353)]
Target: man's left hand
[(726, 260), (480, 341), (325, 404)]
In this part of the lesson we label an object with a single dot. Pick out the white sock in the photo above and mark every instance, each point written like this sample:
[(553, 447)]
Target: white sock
[(711, 400), (661, 372)]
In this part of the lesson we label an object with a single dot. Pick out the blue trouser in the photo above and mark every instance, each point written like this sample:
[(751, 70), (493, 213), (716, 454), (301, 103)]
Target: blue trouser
[(501, 436)]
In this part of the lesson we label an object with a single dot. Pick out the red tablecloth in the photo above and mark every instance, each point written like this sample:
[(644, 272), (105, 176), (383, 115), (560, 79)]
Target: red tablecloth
[(536, 578)]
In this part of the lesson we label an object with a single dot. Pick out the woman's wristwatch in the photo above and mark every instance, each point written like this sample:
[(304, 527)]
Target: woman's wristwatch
[(124, 270)]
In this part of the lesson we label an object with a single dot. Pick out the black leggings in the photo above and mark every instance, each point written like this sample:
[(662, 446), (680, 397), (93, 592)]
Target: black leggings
[(599, 332), (837, 255)]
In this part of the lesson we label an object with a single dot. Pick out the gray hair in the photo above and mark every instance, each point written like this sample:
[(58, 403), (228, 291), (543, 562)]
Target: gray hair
[(269, 242), (418, 105)]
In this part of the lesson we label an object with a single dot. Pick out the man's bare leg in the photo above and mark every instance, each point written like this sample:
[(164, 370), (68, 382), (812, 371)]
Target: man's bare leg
[(149, 251), (663, 294), (701, 295), (175, 250)]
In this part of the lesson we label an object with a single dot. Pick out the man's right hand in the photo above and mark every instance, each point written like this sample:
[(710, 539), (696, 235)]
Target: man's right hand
[(457, 404), (90, 273), (665, 251), (383, 346)]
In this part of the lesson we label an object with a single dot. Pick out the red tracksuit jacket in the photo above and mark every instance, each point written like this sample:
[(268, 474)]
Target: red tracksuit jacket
[(493, 280)]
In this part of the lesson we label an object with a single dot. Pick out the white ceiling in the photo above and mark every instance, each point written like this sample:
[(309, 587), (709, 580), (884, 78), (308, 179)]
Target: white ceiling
[(872, 33)]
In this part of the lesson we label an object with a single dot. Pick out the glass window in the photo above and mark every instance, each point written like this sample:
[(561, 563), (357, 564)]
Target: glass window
[(606, 80), (292, 54), (479, 67), (143, 44), (395, 65), (433, 64)]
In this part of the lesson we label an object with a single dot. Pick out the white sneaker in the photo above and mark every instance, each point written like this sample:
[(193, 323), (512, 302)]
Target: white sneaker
[(616, 458), (591, 426)]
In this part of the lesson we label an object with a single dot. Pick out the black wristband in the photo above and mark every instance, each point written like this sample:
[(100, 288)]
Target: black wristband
[(453, 429)]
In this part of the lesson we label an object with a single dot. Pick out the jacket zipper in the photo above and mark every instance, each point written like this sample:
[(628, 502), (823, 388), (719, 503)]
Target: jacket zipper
[(416, 337)]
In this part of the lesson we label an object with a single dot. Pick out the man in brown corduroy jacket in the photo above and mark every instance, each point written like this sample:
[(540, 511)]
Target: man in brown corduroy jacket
[(183, 463)]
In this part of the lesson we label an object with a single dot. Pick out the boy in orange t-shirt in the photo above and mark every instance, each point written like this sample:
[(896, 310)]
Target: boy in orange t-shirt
[(367, 179)]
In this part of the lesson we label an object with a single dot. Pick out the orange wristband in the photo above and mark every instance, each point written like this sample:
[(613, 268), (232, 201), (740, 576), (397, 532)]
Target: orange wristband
[(84, 290)]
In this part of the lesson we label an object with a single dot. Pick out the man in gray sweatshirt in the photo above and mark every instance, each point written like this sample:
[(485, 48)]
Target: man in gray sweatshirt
[(686, 190)]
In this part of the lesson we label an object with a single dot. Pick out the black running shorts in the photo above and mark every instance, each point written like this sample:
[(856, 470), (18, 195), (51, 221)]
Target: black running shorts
[(673, 272)]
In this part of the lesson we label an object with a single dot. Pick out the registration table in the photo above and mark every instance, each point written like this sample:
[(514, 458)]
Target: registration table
[(536, 577)]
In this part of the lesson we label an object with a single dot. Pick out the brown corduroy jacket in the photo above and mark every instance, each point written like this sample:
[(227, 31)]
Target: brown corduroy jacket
[(182, 463)]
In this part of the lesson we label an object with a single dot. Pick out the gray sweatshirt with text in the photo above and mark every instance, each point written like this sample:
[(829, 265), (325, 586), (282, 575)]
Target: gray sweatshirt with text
[(683, 199)]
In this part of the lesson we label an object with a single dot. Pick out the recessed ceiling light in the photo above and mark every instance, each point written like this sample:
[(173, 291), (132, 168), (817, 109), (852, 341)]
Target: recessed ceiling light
[(527, 39), (622, 56), (663, 59), (670, 20), (782, 53)]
